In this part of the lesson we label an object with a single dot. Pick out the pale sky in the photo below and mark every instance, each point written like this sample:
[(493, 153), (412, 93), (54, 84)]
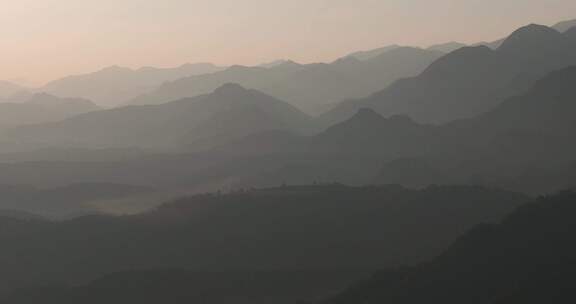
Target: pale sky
[(44, 39)]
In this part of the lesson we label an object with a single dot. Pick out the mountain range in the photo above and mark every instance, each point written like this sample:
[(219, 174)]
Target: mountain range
[(229, 112), (448, 47), (470, 80), (370, 54), (42, 108), (524, 134), (113, 86), (9, 90), (217, 188), (310, 87), (532, 130)]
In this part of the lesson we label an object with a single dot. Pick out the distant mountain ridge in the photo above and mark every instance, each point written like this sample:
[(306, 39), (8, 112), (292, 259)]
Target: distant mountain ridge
[(447, 47), (532, 130), (172, 125), (9, 90), (370, 54), (367, 132), (563, 26), (470, 80), (309, 87), (524, 134), (42, 108), (115, 85)]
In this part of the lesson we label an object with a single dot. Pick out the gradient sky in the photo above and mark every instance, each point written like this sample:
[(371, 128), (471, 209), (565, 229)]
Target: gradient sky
[(45, 39)]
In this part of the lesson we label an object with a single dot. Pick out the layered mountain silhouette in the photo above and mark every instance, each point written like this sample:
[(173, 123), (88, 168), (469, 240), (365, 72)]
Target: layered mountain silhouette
[(528, 258), (370, 54), (115, 85), (563, 26), (447, 47), (8, 90), (250, 77), (470, 80), (531, 131), (42, 108), (370, 133), (229, 112), (309, 87), (560, 26), (453, 136), (274, 63), (536, 125), (300, 229)]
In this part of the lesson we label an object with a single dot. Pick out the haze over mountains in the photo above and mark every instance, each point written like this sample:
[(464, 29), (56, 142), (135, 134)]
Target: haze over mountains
[(530, 131), (309, 87), (9, 90), (42, 108), (230, 112), (355, 181), (115, 85), (470, 80), (529, 125)]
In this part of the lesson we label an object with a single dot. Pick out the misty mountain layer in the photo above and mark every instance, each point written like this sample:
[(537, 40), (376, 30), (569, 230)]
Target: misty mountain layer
[(310, 87), (470, 80), (115, 85)]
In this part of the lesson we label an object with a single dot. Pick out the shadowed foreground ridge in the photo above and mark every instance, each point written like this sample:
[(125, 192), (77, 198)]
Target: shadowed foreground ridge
[(528, 258), (330, 228)]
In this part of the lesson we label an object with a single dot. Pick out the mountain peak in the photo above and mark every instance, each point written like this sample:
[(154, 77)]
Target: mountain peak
[(535, 28), (231, 89), (459, 58), (346, 61), (530, 36)]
